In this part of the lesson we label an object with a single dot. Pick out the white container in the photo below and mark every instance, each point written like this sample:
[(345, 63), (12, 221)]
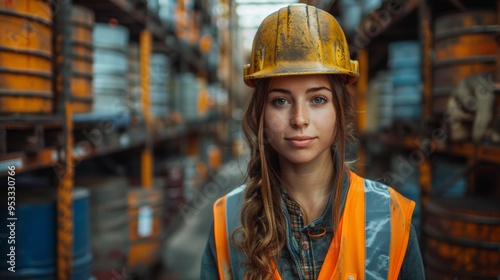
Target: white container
[(110, 69)]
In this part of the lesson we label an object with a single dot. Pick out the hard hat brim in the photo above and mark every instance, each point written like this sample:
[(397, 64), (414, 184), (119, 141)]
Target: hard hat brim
[(350, 76)]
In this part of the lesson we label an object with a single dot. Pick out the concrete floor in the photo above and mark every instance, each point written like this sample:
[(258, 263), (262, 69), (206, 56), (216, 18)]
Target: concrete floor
[(186, 240)]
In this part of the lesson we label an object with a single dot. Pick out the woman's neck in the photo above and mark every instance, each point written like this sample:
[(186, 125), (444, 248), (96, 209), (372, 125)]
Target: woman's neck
[(309, 185)]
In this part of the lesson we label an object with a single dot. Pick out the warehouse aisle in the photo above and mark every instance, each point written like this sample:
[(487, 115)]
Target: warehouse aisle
[(185, 243)]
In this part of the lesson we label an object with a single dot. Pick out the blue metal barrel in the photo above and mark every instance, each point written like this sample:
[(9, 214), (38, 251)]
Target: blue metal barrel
[(35, 235), (404, 62)]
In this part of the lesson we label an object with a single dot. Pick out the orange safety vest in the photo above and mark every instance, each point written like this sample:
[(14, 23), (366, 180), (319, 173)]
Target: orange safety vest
[(373, 212)]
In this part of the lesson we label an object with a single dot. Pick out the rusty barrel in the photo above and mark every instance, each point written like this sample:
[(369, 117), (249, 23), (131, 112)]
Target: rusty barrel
[(26, 56), (82, 23), (464, 45), (462, 238), (145, 208)]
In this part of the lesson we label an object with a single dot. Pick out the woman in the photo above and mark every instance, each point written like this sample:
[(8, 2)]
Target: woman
[(302, 214)]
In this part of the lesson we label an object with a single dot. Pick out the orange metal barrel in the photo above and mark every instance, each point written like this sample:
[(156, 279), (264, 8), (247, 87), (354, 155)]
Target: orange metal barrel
[(464, 45), (145, 228), (462, 238), (25, 56), (82, 22)]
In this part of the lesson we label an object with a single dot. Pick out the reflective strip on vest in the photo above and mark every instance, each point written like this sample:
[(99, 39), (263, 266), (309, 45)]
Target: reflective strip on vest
[(372, 212)]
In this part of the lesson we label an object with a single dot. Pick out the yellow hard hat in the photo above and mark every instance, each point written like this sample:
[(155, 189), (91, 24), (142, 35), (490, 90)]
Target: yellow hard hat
[(299, 40)]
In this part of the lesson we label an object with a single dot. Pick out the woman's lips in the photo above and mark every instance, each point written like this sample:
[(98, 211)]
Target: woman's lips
[(300, 141)]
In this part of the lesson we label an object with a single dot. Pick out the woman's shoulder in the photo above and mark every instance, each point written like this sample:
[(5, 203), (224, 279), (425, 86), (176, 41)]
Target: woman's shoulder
[(235, 193), (378, 185)]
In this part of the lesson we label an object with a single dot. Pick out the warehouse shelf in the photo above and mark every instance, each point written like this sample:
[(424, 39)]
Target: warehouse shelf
[(132, 14), (68, 137), (94, 143), (135, 16), (393, 21), (24, 120), (382, 23), (23, 161), (486, 153)]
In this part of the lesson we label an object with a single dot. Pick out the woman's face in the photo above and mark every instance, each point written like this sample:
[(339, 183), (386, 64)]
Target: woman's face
[(300, 117)]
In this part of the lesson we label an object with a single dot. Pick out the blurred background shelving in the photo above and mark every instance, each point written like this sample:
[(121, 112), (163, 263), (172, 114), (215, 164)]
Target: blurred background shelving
[(121, 119)]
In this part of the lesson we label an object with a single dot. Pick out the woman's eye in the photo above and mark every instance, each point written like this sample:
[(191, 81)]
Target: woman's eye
[(280, 101), (319, 100)]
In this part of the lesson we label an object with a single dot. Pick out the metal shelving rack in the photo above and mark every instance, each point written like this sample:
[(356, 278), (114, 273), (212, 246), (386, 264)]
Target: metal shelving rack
[(62, 153), (370, 51), (65, 172), (472, 152), (371, 58)]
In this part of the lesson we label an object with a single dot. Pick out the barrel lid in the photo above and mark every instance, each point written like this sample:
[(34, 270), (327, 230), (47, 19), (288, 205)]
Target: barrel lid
[(80, 192), (82, 15), (45, 195)]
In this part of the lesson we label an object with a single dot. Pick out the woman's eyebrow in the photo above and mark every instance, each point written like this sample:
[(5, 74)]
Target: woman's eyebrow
[(314, 89), (280, 90), (309, 90)]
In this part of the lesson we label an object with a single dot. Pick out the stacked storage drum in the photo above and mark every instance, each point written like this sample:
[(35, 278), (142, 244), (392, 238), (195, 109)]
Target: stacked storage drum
[(352, 14), (464, 47), (109, 229), (134, 101), (462, 230), (110, 69), (166, 12), (404, 63), (82, 23), (462, 238), (36, 235), (159, 76), (26, 57), (386, 100), (145, 207), (153, 7), (380, 102), (191, 97)]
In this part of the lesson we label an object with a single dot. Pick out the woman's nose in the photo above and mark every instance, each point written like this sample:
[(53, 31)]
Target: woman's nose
[(300, 116)]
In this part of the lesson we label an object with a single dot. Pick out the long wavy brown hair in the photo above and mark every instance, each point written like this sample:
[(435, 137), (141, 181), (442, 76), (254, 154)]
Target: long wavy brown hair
[(262, 234)]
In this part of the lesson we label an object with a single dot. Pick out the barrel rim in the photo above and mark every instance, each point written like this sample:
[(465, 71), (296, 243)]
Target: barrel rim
[(439, 207), (85, 44), (119, 49), (434, 264), (447, 14), (47, 23), (483, 59), (469, 30), (83, 9), (461, 241), (85, 25), (39, 53), (28, 72), (88, 76), (23, 93), (83, 99)]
